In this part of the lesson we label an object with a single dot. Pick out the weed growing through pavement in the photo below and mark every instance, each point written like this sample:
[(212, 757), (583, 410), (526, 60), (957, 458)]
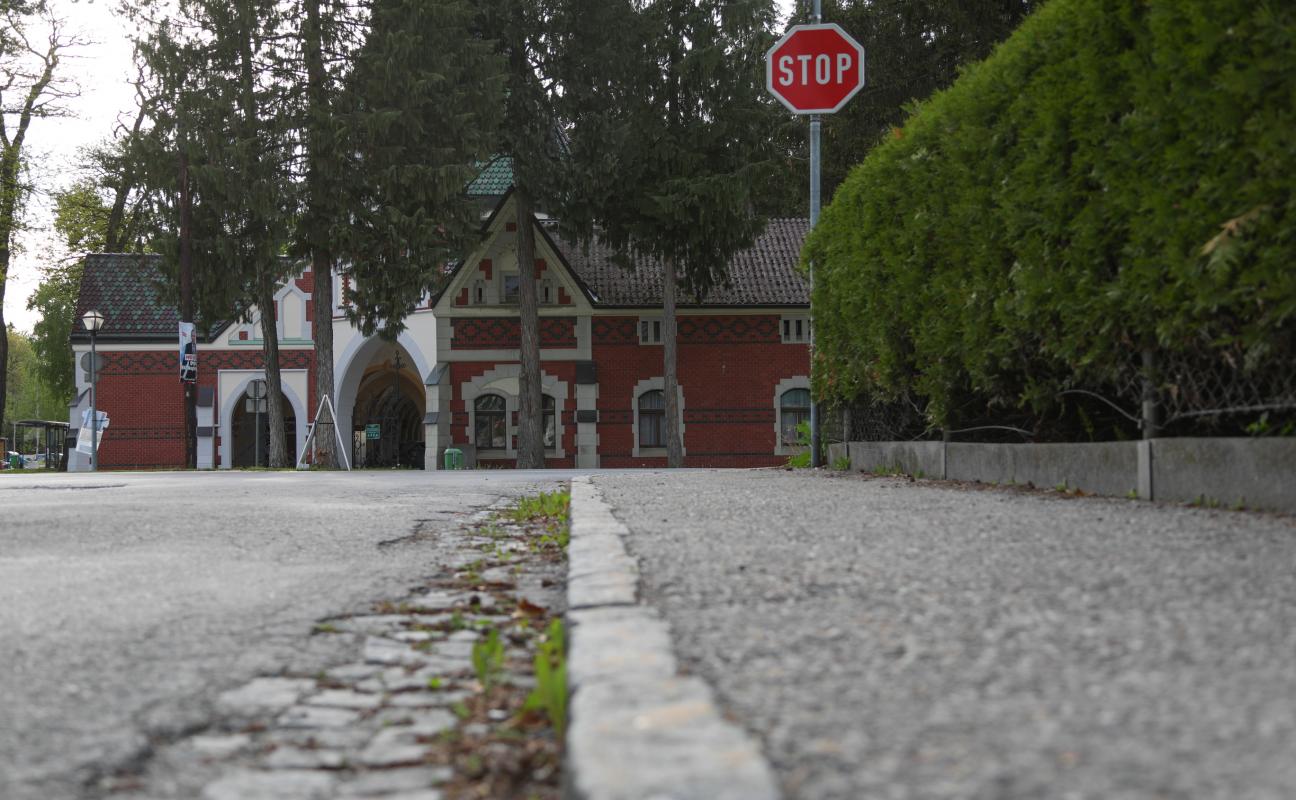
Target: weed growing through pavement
[(488, 659), (842, 464), (550, 693)]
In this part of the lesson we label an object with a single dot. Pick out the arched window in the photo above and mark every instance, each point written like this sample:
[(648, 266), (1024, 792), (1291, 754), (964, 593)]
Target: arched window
[(550, 421), (794, 408), (652, 419), (489, 426)]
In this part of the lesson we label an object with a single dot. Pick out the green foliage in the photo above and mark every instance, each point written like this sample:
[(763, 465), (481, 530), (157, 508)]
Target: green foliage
[(27, 395), (1116, 176), (680, 131), (842, 464), (804, 438), (550, 692), (418, 112), (543, 506), (488, 659)]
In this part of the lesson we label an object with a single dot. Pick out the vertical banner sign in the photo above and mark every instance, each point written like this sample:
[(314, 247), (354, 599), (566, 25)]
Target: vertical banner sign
[(83, 436), (188, 354)]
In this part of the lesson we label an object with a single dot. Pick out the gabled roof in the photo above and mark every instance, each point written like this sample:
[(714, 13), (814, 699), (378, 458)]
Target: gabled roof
[(124, 288), (765, 274)]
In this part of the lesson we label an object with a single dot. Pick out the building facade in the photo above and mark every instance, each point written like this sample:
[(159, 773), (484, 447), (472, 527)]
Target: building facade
[(450, 379)]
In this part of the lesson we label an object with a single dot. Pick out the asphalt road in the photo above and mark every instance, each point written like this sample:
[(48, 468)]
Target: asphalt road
[(129, 601), (888, 639)]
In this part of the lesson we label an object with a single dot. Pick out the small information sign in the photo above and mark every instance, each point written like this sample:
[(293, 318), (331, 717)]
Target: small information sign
[(373, 431)]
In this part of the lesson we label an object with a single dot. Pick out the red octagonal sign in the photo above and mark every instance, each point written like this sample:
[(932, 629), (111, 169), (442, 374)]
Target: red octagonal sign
[(815, 69)]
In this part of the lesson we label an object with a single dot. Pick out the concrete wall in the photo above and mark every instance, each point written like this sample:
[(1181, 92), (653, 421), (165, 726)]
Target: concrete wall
[(1255, 473), (1109, 468)]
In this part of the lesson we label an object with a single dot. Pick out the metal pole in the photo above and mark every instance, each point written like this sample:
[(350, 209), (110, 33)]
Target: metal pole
[(256, 437), (94, 411), (815, 124)]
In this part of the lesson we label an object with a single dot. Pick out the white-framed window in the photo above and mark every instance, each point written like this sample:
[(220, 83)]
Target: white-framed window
[(650, 330), (794, 409), (652, 419), (479, 293), (548, 295), (795, 330), (509, 285), (549, 420), (490, 422)]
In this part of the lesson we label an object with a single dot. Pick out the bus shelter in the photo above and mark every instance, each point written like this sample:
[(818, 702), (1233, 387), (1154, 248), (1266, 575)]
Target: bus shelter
[(41, 443)]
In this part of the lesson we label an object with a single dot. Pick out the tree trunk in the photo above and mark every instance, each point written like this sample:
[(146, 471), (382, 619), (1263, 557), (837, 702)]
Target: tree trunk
[(274, 386), (187, 312), (4, 353), (531, 449), (325, 442), (674, 445)]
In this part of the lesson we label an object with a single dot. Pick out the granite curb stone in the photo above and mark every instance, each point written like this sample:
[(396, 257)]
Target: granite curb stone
[(637, 730)]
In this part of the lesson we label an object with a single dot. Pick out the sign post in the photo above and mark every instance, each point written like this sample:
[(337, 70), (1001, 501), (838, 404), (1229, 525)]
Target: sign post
[(257, 399), (815, 69)]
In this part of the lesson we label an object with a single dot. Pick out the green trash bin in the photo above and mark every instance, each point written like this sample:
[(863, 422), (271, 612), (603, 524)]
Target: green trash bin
[(453, 458)]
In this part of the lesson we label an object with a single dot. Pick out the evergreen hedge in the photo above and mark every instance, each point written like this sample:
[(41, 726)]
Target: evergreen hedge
[(1116, 176)]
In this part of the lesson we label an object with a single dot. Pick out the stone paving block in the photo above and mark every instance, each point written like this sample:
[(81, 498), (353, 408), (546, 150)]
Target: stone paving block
[(393, 747), (345, 698), (278, 785), (219, 746), (437, 600), (317, 717), (389, 781), (427, 698), (264, 694), (617, 643), (352, 673), (331, 738), (660, 738), (303, 758), (371, 624)]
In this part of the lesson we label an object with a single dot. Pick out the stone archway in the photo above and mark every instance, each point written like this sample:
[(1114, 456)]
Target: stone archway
[(387, 415), (249, 446)]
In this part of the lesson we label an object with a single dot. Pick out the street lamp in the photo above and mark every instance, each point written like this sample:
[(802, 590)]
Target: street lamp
[(93, 321)]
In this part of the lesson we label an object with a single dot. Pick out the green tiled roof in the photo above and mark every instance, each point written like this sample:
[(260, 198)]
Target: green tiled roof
[(495, 178)]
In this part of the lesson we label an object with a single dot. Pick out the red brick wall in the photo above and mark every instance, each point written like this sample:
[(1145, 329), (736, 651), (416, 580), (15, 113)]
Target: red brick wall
[(142, 395), (462, 372), (728, 368)]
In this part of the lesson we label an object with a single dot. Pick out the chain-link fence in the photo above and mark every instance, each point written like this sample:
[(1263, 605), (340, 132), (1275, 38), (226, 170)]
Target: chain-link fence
[(1219, 393)]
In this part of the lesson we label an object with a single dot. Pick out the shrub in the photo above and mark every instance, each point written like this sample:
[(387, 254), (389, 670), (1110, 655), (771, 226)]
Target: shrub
[(1115, 177)]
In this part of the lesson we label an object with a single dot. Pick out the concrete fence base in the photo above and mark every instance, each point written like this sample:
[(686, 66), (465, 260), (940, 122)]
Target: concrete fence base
[(1254, 473)]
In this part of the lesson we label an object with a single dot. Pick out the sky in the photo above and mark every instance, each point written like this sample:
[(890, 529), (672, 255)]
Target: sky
[(101, 69)]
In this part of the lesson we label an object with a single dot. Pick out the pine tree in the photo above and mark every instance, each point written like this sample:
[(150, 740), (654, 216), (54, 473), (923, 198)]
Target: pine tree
[(221, 144), (529, 135), (416, 115), (670, 145)]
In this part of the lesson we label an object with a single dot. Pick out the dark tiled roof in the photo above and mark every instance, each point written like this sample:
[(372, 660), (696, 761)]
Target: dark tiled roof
[(495, 179), (124, 288), (766, 274)]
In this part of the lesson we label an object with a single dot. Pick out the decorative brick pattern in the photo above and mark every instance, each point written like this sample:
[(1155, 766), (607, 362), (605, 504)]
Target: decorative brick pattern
[(504, 333), (718, 330), (614, 330)]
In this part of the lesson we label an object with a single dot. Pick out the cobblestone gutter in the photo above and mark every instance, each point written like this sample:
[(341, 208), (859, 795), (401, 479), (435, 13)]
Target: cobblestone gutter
[(432, 704)]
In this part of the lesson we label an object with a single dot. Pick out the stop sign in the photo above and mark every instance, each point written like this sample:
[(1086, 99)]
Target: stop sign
[(815, 69)]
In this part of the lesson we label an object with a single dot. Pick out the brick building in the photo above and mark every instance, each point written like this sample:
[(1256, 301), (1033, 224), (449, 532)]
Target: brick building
[(451, 378)]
